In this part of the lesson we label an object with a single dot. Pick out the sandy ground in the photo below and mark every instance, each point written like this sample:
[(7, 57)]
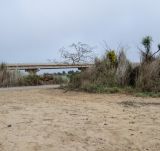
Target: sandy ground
[(51, 120)]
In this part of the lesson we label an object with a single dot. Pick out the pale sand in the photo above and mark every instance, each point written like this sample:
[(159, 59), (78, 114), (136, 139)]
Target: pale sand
[(51, 120)]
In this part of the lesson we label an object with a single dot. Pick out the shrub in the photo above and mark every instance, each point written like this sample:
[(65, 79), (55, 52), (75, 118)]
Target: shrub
[(8, 78), (149, 76), (30, 80), (75, 80), (33, 80), (123, 70), (111, 55)]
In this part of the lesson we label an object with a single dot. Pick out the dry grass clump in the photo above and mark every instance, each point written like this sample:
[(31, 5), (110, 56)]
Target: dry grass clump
[(149, 76), (8, 78), (123, 70)]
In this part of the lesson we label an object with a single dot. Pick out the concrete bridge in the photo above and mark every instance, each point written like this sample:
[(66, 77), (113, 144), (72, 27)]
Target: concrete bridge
[(34, 68)]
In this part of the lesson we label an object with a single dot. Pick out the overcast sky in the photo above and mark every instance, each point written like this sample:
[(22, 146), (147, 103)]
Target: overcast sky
[(34, 30)]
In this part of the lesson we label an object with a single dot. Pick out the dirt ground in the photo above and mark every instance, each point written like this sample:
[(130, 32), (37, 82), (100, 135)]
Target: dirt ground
[(52, 120)]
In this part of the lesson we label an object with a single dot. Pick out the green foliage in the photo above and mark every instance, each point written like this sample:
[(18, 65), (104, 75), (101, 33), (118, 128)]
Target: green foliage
[(31, 80), (94, 88), (111, 55), (147, 94), (146, 42), (75, 80)]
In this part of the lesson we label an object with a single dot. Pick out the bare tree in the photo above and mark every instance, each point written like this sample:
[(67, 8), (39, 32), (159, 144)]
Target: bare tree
[(77, 53)]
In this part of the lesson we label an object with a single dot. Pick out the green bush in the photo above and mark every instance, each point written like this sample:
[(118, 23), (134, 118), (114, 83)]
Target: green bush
[(93, 88), (111, 55), (75, 80), (33, 80)]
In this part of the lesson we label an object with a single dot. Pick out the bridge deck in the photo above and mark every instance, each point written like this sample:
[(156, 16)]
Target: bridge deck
[(46, 66)]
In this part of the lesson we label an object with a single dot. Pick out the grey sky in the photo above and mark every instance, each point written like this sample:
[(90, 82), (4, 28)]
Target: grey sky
[(34, 30)]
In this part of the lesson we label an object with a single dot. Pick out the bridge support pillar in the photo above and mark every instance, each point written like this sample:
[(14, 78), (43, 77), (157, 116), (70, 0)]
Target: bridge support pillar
[(32, 71)]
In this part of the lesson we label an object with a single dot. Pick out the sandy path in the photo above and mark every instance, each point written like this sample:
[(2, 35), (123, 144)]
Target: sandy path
[(51, 120)]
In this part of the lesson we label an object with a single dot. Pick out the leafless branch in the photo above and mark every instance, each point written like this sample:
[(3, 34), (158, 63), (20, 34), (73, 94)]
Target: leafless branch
[(77, 53)]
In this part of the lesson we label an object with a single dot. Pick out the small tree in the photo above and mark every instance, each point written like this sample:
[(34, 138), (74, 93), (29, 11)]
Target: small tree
[(147, 54), (77, 53)]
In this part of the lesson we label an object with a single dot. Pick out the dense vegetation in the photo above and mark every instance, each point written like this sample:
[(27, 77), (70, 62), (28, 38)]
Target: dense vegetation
[(114, 72)]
